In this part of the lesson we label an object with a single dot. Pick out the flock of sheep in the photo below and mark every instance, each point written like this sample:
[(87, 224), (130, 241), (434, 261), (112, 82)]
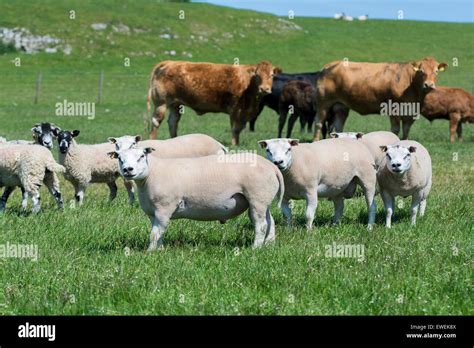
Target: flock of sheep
[(195, 177)]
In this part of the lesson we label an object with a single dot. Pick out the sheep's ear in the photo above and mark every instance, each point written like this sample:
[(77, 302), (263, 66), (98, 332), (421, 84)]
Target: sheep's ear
[(35, 128), (148, 150), (112, 140), (75, 133), (333, 135), (412, 149), (263, 144), (112, 154), (359, 135), (55, 129), (294, 142), (138, 138), (383, 148)]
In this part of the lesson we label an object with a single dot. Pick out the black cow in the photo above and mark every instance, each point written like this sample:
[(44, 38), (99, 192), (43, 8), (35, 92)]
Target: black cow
[(337, 114)]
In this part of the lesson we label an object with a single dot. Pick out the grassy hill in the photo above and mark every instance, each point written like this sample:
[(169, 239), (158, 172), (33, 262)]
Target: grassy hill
[(208, 268)]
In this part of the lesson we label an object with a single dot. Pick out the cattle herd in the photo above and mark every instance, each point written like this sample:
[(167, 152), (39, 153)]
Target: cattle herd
[(196, 177)]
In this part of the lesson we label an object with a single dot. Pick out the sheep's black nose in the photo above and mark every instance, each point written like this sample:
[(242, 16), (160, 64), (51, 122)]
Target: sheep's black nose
[(396, 165), (277, 162), (127, 169)]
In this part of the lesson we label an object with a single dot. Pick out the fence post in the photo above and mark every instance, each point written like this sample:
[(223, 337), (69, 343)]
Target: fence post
[(101, 86), (38, 86)]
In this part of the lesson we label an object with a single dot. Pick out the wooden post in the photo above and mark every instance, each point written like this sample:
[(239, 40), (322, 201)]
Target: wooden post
[(38, 86), (101, 86)]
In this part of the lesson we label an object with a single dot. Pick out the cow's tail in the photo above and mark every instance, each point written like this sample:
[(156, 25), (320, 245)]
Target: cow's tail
[(281, 189)]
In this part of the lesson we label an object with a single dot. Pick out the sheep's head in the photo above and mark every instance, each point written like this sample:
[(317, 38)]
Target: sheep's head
[(45, 133), (347, 135), (65, 138), (125, 142), (133, 163), (279, 151), (398, 157)]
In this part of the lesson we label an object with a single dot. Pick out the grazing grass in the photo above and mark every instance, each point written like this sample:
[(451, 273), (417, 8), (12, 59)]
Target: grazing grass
[(92, 260)]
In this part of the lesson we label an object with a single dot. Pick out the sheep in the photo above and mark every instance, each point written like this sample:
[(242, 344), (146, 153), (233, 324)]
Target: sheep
[(216, 187), (405, 171), (191, 145), (329, 168), (28, 166), (372, 140), (87, 164)]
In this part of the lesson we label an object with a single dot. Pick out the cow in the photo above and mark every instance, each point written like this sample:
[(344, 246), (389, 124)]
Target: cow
[(367, 87), (207, 87), (453, 104), (338, 112)]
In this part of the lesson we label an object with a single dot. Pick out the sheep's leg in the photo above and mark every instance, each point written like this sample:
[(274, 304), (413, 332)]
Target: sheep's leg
[(338, 208), (459, 131), (311, 206), (130, 189), (113, 190), (389, 203), (80, 190), (270, 236), (415, 203), (368, 182), (51, 181), (422, 207), (158, 227), (6, 194), (24, 199), (291, 123), (36, 199), (258, 216), (286, 210)]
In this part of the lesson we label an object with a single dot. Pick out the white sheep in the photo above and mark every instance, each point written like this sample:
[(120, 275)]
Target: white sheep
[(330, 168), (87, 164), (217, 187), (29, 166), (372, 140), (405, 171)]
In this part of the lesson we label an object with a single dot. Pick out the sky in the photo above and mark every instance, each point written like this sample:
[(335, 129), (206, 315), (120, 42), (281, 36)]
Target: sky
[(424, 10)]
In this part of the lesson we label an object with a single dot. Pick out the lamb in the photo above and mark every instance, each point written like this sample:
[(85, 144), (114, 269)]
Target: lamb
[(405, 171), (87, 164), (372, 140), (217, 187), (29, 166), (191, 145), (329, 168)]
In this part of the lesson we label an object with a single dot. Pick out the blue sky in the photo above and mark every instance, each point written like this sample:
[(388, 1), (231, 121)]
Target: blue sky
[(425, 10)]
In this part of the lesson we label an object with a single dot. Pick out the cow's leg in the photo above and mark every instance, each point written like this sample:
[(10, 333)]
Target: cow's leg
[(303, 122), (310, 123), (157, 118), (237, 125), (320, 118), (407, 123), (283, 111), (3, 200), (173, 120), (454, 119), (459, 131), (394, 124), (340, 116), (291, 123), (254, 119)]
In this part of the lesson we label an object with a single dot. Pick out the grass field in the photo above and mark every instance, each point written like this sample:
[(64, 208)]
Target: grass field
[(92, 260)]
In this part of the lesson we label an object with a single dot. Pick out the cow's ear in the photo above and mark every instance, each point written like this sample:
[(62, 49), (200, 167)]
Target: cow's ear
[(416, 66), (442, 67), (383, 148), (112, 140), (112, 154), (263, 144), (277, 70), (334, 135), (412, 149), (138, 138), (359, 135), (148, 150), (294, 142), (253, 71), (75, 133)]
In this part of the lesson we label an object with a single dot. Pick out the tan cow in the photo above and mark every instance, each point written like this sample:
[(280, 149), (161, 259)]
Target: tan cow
[(367, 87), (207, 87), (453, 104)]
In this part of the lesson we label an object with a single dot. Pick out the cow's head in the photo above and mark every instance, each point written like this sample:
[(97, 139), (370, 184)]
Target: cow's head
[(45, 133), (133, 162), (398, 157), (65, 138), (426, 71), (125, 142), (263, 73), (279, 151)]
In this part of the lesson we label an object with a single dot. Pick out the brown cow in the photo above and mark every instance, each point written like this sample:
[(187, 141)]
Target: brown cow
[(366, 87), (207, 87), (453, 104)]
